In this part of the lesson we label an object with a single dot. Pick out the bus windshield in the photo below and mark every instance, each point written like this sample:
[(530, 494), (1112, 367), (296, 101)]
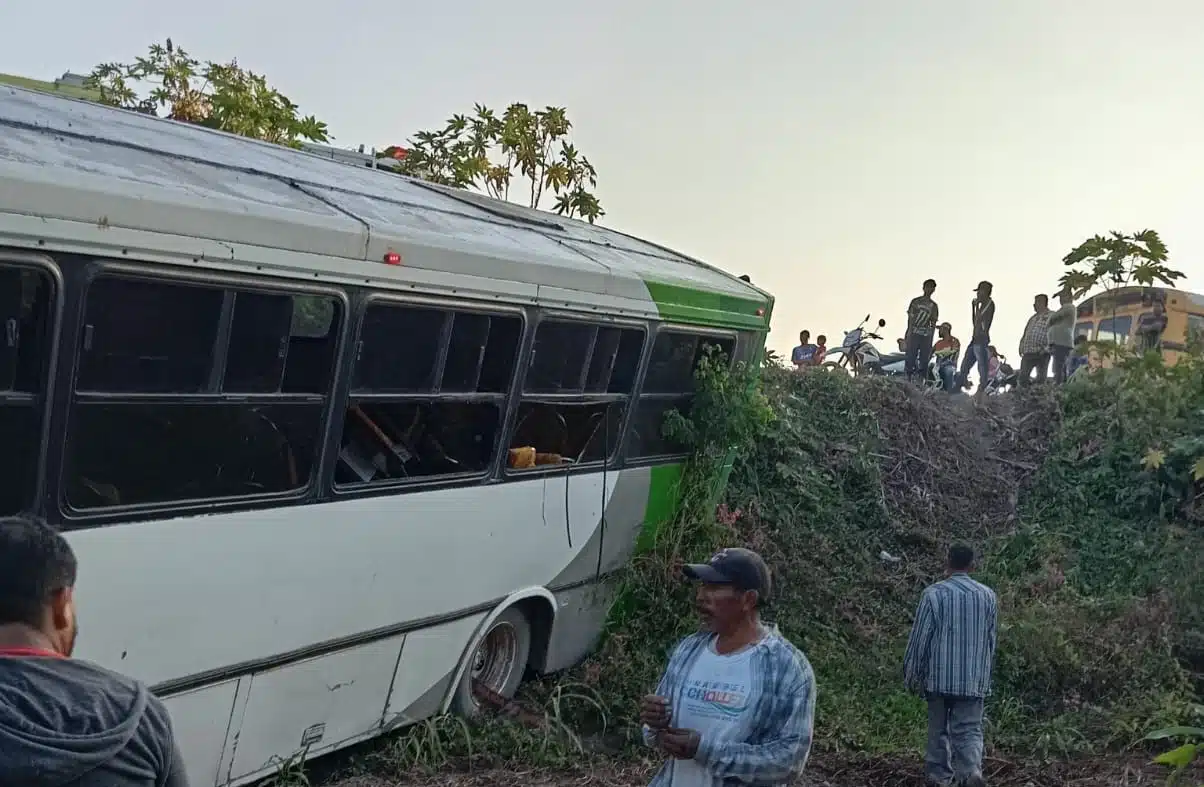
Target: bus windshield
[(1115, 329)]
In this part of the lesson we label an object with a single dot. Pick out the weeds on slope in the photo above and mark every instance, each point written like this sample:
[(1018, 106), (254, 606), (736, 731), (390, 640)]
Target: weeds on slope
[(1087, 657), (854, 501), (1111, 554)]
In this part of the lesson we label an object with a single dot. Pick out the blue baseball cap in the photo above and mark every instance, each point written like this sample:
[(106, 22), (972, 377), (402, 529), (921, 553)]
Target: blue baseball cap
[(741, 568)]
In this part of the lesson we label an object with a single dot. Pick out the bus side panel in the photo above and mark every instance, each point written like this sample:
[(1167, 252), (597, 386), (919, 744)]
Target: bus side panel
[(314, 705), (644, 500), (582, 496), (582, 598), (580, 621), (425, 670), (237, 588), (625, 515), (201, 720)]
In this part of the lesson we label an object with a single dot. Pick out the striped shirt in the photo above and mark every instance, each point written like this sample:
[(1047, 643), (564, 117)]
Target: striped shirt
[(782, 700), (952, 645)]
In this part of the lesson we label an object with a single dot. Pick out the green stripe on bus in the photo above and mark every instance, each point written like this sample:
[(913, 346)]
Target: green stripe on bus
[(687, 304), (664, 493), (664, 499)]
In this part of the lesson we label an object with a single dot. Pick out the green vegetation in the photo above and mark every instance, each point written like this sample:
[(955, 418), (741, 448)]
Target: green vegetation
[(1117, 260), (1180, 758), (222, 96), (487, 151), (1095, 586)]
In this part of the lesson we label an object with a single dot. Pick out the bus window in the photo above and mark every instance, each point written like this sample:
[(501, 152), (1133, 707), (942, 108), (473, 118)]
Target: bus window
[(313, 316), (576, 393), (1195, 328), (1115, 329), (428, 395), (259, 336), (26, 323), (1084, 330), (668, 385), (207, 390), (148, 337), (559, 356), (398, 348)]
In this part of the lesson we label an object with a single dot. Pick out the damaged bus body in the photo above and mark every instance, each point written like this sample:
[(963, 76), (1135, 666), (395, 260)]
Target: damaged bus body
[(330, 444)]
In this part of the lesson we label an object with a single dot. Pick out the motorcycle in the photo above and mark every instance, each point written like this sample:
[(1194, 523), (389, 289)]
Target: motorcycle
[(932, 377), (857, 355), (1003, 380)]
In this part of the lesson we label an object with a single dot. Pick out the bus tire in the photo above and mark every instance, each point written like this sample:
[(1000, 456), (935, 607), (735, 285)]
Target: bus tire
[(499, 662)]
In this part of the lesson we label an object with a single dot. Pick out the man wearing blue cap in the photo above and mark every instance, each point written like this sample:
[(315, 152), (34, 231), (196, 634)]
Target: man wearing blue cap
[(737, 701)]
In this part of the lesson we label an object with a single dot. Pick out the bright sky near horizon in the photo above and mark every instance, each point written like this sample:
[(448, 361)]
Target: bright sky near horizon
[(838, 152)]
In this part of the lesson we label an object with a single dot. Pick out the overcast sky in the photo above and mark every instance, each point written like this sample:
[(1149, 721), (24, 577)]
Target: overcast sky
[(838, 152)]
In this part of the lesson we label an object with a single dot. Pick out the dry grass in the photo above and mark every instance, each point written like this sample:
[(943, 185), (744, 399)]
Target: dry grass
[(827, 771)]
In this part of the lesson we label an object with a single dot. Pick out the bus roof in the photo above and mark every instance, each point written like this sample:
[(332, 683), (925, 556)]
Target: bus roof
[(87, 173), (1140, 296)]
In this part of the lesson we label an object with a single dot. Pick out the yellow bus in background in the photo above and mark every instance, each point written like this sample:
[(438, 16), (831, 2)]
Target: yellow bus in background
[(1114, 316)]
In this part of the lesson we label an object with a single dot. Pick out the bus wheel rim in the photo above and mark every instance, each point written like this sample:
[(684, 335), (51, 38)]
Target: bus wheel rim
[(493, 662)]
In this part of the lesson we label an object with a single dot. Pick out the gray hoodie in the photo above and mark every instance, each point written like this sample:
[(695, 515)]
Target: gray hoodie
[(69, 723)]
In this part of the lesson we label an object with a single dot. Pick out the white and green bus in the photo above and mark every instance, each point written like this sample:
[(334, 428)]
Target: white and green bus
[(332, 446)]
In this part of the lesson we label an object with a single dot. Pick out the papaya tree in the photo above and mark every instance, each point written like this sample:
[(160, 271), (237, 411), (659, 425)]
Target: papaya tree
[(489, 152), (223, 96), (1118, 260)]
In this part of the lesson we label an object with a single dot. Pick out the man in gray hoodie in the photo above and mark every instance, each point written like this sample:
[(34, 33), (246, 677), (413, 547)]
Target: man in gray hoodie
[(64, 722)]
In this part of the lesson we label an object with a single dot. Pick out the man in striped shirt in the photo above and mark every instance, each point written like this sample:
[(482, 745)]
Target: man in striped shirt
[(948, 662)]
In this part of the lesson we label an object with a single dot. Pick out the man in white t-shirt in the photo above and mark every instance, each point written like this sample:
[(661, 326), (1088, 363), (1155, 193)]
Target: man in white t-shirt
[(737, 700)]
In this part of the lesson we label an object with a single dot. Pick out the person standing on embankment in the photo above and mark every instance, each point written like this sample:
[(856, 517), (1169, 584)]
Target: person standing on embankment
[(1034, 343), (982, 315), (739, 696), (1061, 334), (804, 354), (949, 659), (922, 314)]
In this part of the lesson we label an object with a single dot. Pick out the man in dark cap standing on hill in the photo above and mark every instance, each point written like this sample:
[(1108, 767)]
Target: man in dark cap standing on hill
[(982, 315), (737, 701), (949, 659)]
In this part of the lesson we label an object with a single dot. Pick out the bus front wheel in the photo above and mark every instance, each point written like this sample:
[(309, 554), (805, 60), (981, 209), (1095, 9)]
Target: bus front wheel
[(497, 665)]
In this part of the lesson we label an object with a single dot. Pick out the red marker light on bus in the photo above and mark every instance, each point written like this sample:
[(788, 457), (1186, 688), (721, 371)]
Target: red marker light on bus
[(392, 258)]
